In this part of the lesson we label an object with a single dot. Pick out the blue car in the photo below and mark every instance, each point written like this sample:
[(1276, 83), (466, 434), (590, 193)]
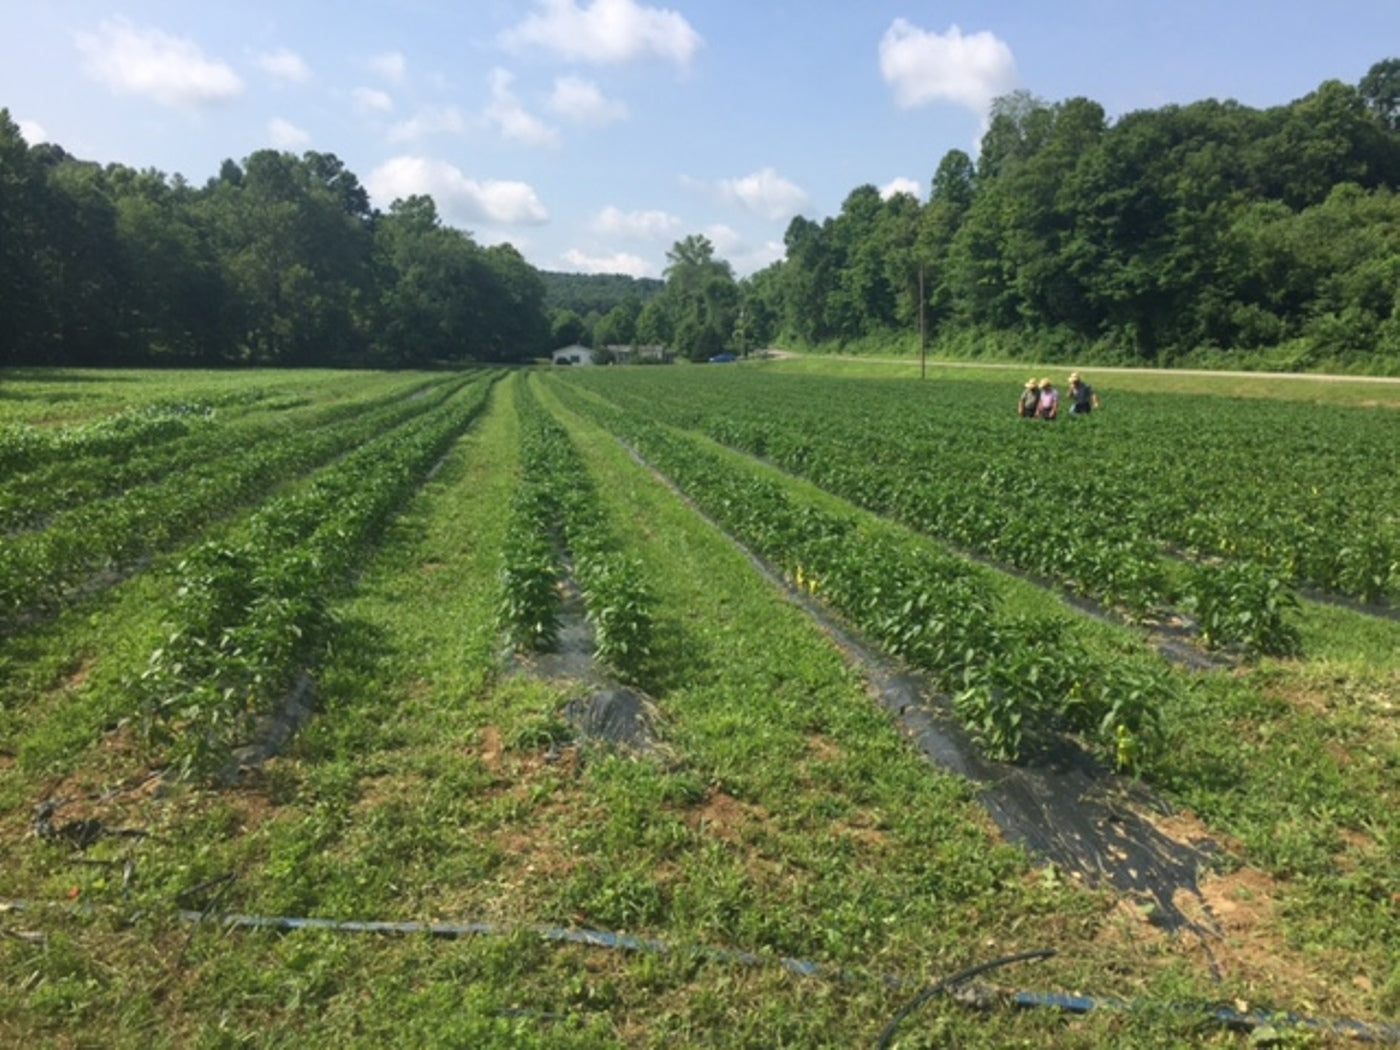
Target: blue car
[(723, 359)]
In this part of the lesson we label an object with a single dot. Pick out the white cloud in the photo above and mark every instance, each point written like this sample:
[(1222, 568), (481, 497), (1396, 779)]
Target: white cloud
[(764, 255), (640, 225), (923, 66), (458, 197), (148, 62), (744, 257), (765, 193), (283, 134), (606, 31), (582, 102), (506, 113), (619, 262), (726, 239), (373, 101), (285, 65), (32, 131), (901, 184), (748, 259), (431, 121), (391, 66)]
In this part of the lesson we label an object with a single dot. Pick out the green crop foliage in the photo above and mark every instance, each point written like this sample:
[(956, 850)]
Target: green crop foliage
[(784, 813), (1243, 604), (556, 516)]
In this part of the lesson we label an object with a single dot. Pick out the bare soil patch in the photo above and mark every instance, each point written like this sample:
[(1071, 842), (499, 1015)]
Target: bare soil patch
[(724, 817)]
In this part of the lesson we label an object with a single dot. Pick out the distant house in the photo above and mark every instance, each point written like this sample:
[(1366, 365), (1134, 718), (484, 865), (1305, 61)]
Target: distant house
[(573, 355)]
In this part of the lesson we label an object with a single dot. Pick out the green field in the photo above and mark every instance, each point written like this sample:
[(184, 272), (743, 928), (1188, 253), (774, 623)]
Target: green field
[(338, 646)]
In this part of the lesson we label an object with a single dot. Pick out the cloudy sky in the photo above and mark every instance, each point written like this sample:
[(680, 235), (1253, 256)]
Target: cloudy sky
[(593, 134)]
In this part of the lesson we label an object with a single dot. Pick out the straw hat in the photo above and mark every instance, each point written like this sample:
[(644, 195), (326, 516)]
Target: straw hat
[(1032, 384), (1074, 377)]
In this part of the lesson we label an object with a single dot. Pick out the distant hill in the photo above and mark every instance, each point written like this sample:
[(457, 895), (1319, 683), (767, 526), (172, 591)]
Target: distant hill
[(586, 292)]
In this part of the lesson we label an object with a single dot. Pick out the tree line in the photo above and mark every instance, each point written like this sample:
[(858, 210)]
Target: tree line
[(279, 260), (1210, 232), (1190, 232), (698, 310)]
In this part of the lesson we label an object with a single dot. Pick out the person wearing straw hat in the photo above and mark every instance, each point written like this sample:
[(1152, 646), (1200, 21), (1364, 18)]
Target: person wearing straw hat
[(1049, 408), (1030, 400), (1082, 399)]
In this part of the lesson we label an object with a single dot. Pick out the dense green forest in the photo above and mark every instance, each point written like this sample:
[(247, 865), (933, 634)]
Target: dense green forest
[(1209, 233), (279, 260), (597, 309), (595, 293)]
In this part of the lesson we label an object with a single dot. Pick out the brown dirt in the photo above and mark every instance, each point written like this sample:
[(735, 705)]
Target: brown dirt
[(726, 818), (823, 748), (492, 749), (80, 674), (1252, 948), (1238, 936)]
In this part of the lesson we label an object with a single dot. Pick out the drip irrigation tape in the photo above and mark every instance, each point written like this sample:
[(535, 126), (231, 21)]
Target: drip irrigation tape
[(457, 931), (951, 982), (1244, 1020), (1226, 1016)]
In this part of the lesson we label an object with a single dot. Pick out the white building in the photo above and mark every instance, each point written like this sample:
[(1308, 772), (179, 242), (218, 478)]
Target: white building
[(573, 355)]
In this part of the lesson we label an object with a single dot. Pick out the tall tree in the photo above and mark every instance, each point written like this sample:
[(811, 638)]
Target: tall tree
[(23, 283), (701, 298), (1380, 88)]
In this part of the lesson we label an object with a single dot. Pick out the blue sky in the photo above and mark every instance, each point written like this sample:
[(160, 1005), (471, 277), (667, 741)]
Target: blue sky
[(594, 134)]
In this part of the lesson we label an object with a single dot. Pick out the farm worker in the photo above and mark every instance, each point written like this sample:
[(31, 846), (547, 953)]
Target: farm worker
[(1082, 397), (1030, 400), (1049, 407)]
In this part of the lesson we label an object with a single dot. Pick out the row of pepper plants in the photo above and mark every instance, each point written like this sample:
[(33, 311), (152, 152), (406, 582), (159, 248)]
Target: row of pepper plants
[(40, 570), (558, 527), (127, 426), (1170, 510), (88, 471), (24, 447), (251, 610), (1016, 680)]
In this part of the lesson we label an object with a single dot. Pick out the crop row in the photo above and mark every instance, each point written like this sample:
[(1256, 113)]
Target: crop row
[(24, 447), (90, 473), (556, 513), (1291, 487), (1015, 679), (1004, 495), (249, 612), (39, 570)]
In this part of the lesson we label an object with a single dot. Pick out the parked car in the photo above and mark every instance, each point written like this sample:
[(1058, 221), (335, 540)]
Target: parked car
[(723, 359)]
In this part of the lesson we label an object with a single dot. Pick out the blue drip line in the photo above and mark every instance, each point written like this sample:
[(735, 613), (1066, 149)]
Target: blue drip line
[(453, 931), (1229, 1017), (1078, 1004), (1245, 1020)]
